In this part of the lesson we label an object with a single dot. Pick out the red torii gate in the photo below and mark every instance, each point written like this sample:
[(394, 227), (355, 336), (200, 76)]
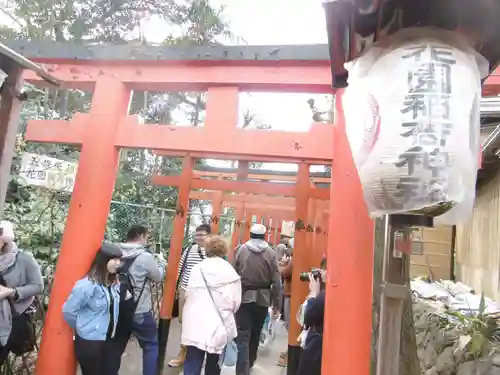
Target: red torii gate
[(107, 128), (271, 209), (304, 257)]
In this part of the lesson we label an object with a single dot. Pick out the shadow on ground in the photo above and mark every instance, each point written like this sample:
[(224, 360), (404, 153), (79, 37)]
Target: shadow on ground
[(266, 363)]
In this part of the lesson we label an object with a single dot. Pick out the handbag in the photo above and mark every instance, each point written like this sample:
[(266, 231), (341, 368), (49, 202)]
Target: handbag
[(229, 355), (175, 307), (22, 337), (185, 254)]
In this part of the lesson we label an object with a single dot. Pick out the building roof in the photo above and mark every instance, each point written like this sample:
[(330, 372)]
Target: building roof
[(10, 59)]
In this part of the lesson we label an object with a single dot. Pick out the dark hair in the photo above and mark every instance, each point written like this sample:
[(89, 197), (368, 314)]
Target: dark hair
[(98, 271), (204, 228), (136, 231), (323, 263), (258, 236)]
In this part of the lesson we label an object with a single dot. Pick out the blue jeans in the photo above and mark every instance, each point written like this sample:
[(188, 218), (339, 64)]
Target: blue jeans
[(145, 330), (194, 362)]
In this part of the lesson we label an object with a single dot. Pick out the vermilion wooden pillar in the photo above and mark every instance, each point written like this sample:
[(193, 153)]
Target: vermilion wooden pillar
[(271, 235), (347, 336), (301, 263), (174, 258), (86, 221), (320, 232), (272, 231), (321, 235), (10, 107), (248, 225), (313, 259), (216, 211), (238, 226)]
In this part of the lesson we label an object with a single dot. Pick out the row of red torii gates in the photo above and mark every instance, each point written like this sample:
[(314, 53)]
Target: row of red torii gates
[(330, 220), (339, 211)]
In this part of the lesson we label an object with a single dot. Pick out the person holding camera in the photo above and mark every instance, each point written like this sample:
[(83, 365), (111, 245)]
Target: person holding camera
[(312, 347)]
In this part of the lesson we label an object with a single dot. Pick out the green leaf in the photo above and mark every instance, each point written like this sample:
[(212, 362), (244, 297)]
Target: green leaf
[(476, 343), (482, 305)]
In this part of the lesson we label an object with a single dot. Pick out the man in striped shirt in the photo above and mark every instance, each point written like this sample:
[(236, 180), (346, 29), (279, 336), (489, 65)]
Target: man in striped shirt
[(191, 256)]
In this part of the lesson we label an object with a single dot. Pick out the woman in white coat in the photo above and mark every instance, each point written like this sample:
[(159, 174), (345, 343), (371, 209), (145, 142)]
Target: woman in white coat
[(213, 297)]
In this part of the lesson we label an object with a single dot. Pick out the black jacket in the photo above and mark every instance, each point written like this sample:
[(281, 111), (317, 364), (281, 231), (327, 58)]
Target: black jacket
[(310, 359)]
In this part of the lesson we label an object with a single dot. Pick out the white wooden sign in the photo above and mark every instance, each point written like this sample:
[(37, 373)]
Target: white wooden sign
[(47, 172)]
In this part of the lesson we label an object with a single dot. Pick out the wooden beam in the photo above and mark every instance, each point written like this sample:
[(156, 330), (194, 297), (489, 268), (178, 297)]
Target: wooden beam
[(48, 51), (60, 54), (250, 187), (237, 144), (179, 76), (268, 172), (260, 207), (238, 156), (231, 200), (265, 204), (254, 145), (58, 131), (284, 214), (254, 176), (9, 123)]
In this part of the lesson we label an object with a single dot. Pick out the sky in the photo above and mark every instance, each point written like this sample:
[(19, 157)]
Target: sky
[(268, 22)]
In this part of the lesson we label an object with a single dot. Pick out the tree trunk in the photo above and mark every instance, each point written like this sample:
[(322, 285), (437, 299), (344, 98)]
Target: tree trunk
[(408, 359)]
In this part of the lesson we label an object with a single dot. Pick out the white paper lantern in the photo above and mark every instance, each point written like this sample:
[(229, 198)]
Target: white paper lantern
[(412, 119)]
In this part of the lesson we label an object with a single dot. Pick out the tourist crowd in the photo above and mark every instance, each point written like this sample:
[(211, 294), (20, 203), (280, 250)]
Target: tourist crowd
[(113, 301)]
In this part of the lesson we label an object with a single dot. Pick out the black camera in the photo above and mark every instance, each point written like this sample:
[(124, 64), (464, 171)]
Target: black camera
[(315, 272)]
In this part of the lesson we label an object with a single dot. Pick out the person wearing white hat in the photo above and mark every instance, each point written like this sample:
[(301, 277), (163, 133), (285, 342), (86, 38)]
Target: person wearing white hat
[(257, 265), (20, 282)]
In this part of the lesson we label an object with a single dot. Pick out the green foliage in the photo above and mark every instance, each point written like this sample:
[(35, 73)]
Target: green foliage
[(477, 331), (40, 214)]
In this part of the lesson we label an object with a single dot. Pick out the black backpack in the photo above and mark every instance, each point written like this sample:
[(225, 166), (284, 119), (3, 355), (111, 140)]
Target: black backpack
[(128, 302), (22, 338)]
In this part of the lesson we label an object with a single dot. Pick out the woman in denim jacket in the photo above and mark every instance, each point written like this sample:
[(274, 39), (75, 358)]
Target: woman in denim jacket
[(92, 310)]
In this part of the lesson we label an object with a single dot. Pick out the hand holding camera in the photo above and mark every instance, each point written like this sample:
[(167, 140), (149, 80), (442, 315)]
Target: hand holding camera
[(160, 258), (315, 278), (314, 285)]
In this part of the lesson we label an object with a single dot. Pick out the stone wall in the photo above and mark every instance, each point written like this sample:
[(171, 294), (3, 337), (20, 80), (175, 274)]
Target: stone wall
[(452, 344)]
